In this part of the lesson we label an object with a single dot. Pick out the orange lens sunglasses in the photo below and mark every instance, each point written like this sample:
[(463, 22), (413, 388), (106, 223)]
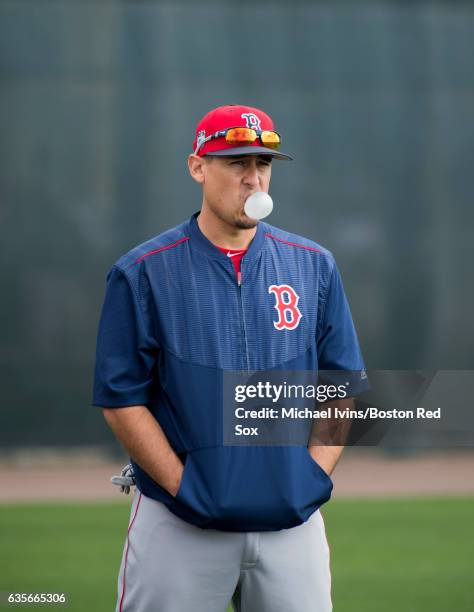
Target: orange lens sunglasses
[(243, 136)]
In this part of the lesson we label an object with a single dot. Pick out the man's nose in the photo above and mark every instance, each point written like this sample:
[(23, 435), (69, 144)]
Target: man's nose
[(252, 175)]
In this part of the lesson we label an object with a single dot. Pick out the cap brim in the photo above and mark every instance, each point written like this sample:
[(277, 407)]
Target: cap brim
[(238, 151)]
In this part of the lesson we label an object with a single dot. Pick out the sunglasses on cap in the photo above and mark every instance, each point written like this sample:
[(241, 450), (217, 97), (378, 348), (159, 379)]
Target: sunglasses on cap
[(243, 136)]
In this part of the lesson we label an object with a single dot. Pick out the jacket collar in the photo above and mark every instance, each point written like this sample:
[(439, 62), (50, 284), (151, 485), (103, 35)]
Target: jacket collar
[(199, 241)]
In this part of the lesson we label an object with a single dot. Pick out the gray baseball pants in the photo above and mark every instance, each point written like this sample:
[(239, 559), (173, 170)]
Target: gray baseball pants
[(169, 565)]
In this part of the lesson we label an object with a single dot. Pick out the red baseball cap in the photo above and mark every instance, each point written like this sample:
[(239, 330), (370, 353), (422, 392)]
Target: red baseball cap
[(233, 115)]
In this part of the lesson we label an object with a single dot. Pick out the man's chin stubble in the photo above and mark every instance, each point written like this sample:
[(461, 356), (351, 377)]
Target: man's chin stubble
[(245, 223)]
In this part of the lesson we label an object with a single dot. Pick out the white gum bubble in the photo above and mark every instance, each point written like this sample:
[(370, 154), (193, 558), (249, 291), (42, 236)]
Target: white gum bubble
[(259, 205)]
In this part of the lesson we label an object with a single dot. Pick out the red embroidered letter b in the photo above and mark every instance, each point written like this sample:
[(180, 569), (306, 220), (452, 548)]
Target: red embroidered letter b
[(289, 315)]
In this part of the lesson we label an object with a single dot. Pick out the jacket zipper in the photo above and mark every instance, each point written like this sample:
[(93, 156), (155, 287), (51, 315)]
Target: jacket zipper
[(242, 321)]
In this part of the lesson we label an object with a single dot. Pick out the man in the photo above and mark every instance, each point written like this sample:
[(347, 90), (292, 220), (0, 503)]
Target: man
[(214, 523)]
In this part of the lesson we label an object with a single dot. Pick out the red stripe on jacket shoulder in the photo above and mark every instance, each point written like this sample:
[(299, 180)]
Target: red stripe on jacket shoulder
[(301, 246), (169, 246)]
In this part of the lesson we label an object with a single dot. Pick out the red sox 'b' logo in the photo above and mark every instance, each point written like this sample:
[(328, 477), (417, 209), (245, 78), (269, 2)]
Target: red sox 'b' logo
[(289, 315), (251, 120)]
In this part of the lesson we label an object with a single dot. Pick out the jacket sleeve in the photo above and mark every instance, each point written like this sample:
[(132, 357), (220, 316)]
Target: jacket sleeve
[(126, 352), (338, 346)]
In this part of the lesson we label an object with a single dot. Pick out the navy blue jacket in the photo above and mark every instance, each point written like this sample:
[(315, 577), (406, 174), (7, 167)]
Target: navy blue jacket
[(175, 318)]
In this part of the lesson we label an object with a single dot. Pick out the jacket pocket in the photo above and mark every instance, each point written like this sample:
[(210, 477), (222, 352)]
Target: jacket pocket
[(319, 470), (255, 488)]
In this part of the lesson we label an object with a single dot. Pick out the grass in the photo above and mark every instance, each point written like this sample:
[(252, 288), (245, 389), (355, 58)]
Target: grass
[(413, 555), (72, 549)]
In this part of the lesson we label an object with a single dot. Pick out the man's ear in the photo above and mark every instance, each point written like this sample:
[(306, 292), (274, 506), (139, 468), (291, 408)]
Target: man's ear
[(196, 167)]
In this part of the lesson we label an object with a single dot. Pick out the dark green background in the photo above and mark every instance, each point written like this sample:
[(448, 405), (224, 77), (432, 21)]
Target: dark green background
[(98, 102)]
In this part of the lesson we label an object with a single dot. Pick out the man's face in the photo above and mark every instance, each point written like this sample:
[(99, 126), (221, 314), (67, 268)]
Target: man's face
[(229, 181)]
